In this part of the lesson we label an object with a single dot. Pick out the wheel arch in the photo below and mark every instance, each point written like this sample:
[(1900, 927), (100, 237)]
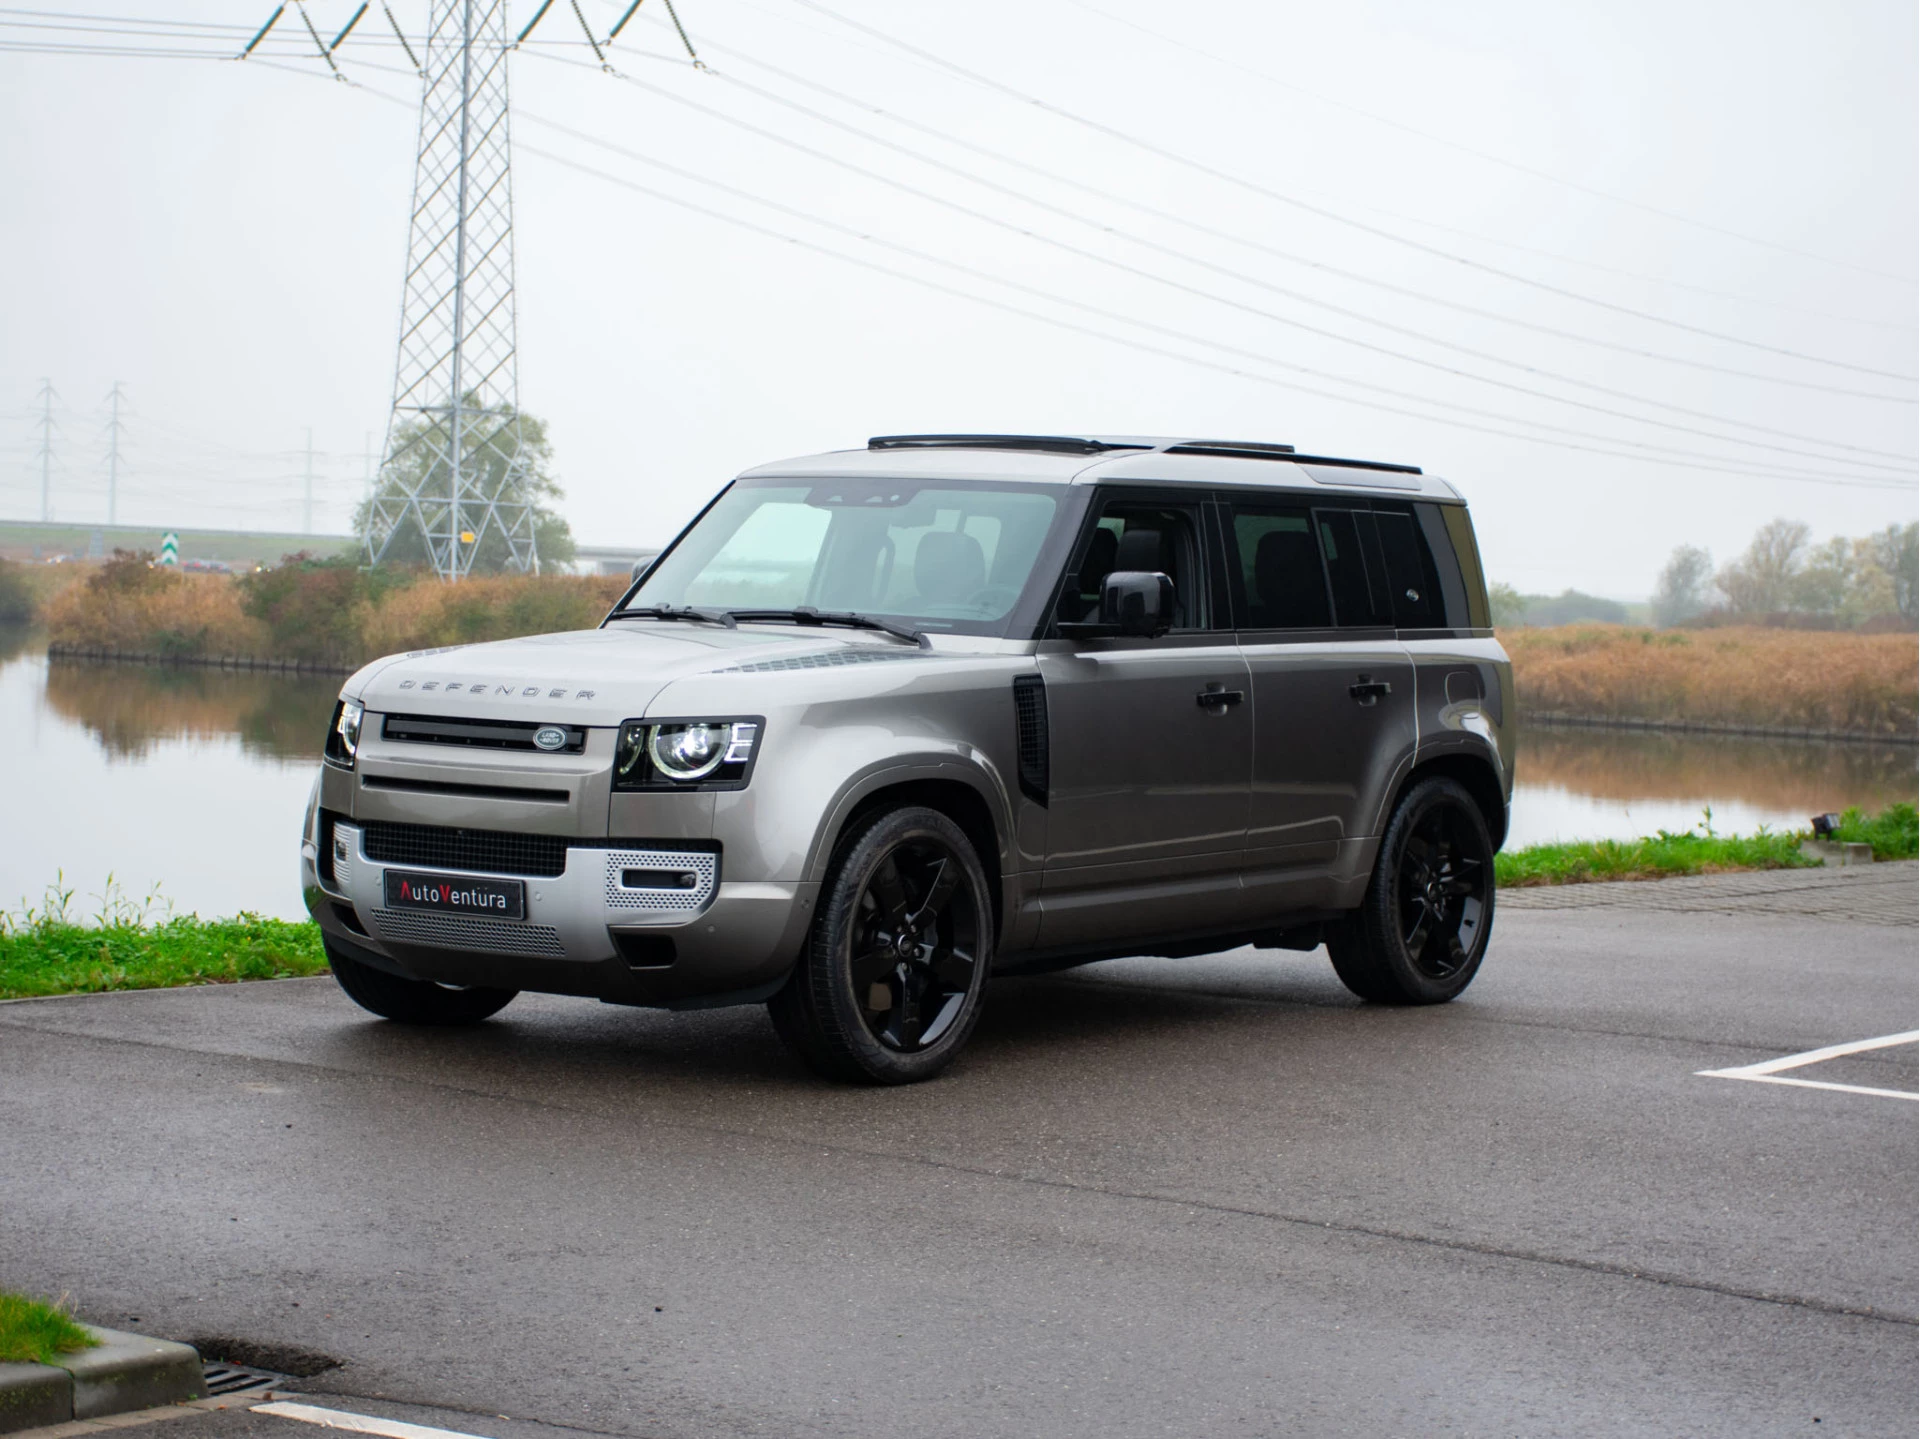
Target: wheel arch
[(1476, 776), (945, 792)]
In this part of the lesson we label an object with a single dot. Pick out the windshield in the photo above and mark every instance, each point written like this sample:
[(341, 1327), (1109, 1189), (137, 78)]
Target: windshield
[(945, 555)]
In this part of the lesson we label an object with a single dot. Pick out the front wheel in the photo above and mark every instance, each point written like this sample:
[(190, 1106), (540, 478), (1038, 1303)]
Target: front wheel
[(1421, 932), (414, 1001), (896, 966)]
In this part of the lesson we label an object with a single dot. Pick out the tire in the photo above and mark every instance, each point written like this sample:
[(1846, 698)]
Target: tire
[(896, 966), (414, 1001), (1422, 930)]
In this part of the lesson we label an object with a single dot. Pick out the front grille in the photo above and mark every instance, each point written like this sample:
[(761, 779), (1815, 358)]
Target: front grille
[(1030, 722), (442, 931), (480, 733), (542, 856)]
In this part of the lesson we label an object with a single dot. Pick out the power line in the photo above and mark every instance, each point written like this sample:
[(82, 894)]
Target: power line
[(1319, 97), (1200, 227), (1253, 187), (995, 221)]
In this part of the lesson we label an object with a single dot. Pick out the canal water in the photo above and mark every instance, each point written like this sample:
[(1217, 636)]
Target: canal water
[(189, 784)]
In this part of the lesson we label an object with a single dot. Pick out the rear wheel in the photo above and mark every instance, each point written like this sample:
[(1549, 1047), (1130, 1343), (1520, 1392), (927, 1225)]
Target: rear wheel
[(1421, 932), (414, 1001), (895, 969)]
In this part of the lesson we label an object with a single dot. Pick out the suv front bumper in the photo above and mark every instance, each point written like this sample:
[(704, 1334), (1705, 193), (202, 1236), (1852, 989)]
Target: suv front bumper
[(606, 927)]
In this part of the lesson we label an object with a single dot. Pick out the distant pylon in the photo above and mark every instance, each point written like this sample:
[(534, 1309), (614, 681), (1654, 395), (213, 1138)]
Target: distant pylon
[(455, 471), (114, 428), (46, 451)]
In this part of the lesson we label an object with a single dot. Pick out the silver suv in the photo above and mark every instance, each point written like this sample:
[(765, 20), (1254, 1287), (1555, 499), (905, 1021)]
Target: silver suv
[(882, 722)]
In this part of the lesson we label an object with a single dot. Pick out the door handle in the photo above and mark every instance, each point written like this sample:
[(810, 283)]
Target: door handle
[(1368, 691), (1215, 697)]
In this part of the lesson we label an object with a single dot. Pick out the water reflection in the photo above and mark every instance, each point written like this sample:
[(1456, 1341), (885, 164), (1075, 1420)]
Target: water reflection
[(195, 779), (131, 709)]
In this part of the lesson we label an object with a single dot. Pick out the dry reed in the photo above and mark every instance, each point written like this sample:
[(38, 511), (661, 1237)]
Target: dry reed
[(1787, 679), (429, 614)]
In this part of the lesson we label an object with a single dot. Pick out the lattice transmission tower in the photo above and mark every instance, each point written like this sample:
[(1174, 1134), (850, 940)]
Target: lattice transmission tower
[(455, 471)]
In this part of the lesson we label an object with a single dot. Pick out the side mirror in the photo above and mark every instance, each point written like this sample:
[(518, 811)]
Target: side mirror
[(1137, 602)]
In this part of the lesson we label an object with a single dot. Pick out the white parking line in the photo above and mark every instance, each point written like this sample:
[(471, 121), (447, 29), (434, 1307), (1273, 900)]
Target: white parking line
[(1768, 1070), (357, 1423)]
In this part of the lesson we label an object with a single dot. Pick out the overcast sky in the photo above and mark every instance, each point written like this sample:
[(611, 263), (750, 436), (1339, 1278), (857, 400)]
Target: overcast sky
[(227, 240)]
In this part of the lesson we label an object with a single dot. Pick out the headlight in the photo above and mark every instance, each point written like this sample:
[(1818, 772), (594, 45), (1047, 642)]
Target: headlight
[(343, 735), (707, 754)]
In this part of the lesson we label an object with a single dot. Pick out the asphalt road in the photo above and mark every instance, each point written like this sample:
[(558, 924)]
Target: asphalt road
[(1157, 1197)]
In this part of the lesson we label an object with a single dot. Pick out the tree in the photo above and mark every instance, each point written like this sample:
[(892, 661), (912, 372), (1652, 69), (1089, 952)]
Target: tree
[(1761, 581), (1896, 554), (1684, 586), (1509, 608), (420, 444)]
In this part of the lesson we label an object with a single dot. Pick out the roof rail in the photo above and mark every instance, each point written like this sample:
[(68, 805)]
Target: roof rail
[(1246, 449), (1051, 444), (1283, 452)]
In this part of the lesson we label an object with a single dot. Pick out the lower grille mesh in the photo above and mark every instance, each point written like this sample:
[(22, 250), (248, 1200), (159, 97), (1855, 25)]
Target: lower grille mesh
[(543, 856), (458, 932)]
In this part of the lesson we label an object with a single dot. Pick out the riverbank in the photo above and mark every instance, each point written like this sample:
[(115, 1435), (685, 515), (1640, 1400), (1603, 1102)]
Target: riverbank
[(50, 951), (1769, 682)]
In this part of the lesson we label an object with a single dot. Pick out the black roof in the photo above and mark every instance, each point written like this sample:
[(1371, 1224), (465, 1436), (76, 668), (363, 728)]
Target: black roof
[(1098, 445)]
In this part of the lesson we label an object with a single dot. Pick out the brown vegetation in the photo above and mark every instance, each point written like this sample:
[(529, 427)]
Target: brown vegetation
[(318, 612), (1766, 678), (129, 604)]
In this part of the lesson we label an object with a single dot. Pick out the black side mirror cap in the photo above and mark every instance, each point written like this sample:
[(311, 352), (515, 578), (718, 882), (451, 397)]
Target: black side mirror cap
[(1137, 602)]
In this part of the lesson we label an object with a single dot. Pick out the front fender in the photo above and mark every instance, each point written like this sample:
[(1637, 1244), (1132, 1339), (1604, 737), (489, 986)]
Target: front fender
[(960, 765)]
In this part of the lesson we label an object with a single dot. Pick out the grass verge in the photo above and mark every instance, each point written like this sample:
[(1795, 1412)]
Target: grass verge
[(47, 951), (1894, 833), (33, 1331), (57, 956)]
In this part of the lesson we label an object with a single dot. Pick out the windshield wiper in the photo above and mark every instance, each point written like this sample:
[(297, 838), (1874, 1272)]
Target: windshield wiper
[(807, 615), (675, 612)]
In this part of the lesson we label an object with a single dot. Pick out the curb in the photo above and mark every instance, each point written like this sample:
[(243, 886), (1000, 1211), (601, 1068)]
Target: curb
[(126, 1372)]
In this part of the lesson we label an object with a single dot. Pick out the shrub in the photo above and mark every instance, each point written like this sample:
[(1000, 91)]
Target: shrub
[(16, 595), (430, 614), (133, 605), (311, 608)]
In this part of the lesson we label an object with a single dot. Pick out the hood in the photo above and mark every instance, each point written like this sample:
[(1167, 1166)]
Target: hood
[(593, 677)]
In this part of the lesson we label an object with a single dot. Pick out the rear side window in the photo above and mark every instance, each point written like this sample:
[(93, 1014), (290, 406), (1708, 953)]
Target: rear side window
[(1413, 581), (1359, 597), (1282, 583), (1444, 523)]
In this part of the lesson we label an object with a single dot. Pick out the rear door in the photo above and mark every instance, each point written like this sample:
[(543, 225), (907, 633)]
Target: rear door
[(1333, 691), (1149, 792)]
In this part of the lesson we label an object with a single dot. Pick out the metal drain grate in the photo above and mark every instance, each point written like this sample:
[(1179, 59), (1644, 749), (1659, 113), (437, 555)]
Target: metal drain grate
[(238, 1379)]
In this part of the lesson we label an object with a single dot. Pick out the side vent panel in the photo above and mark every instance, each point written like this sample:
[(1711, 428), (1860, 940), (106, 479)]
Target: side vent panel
[(1030, 717)]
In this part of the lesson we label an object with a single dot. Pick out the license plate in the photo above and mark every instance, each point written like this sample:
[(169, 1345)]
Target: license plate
[(456, 894)]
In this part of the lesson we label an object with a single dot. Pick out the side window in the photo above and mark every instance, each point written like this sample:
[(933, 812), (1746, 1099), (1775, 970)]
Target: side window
[(1454, 525), (1413, 581), (1358, 598), (1281, 580), (1133, 535)]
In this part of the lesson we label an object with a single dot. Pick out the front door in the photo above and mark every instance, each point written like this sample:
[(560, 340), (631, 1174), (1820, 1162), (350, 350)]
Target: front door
[(1333, 694), (1152, 742)]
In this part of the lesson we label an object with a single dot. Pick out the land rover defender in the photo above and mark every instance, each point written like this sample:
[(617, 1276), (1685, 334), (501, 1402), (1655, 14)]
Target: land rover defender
[(880, 723)]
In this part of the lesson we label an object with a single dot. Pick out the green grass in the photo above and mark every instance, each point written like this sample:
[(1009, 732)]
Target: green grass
[(34, 1332), (49, 951), (1893, 833)]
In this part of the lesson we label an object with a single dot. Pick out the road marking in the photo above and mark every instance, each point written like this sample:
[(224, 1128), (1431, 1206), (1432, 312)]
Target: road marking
[(357, 1423), (1768, 1071)]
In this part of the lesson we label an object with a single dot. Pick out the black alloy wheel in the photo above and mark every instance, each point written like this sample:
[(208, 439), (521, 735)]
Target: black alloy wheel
[(1422, 930), (896, 967)]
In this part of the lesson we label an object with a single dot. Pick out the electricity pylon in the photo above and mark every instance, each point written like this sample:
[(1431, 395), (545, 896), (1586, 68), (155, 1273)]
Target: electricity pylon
[(455, 469), (46, 427)]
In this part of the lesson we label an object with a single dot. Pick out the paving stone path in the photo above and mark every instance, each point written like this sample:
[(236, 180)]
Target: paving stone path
[(1883, 894)]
